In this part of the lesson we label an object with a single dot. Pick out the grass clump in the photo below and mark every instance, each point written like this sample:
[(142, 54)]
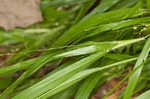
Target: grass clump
[(80, 45)]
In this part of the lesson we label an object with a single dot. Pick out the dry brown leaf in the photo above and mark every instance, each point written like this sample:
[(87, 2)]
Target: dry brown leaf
[(4, 56), (19, 13)]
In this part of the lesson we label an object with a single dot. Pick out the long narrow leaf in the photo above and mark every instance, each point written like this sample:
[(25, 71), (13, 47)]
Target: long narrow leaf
[(103, 6), (134, 78), (145, 95), (62, 75), (77, 77), (77, 30)]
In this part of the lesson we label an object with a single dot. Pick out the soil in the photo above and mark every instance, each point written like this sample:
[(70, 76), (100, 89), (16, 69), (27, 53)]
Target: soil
[(19, 13), (104, 89)]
